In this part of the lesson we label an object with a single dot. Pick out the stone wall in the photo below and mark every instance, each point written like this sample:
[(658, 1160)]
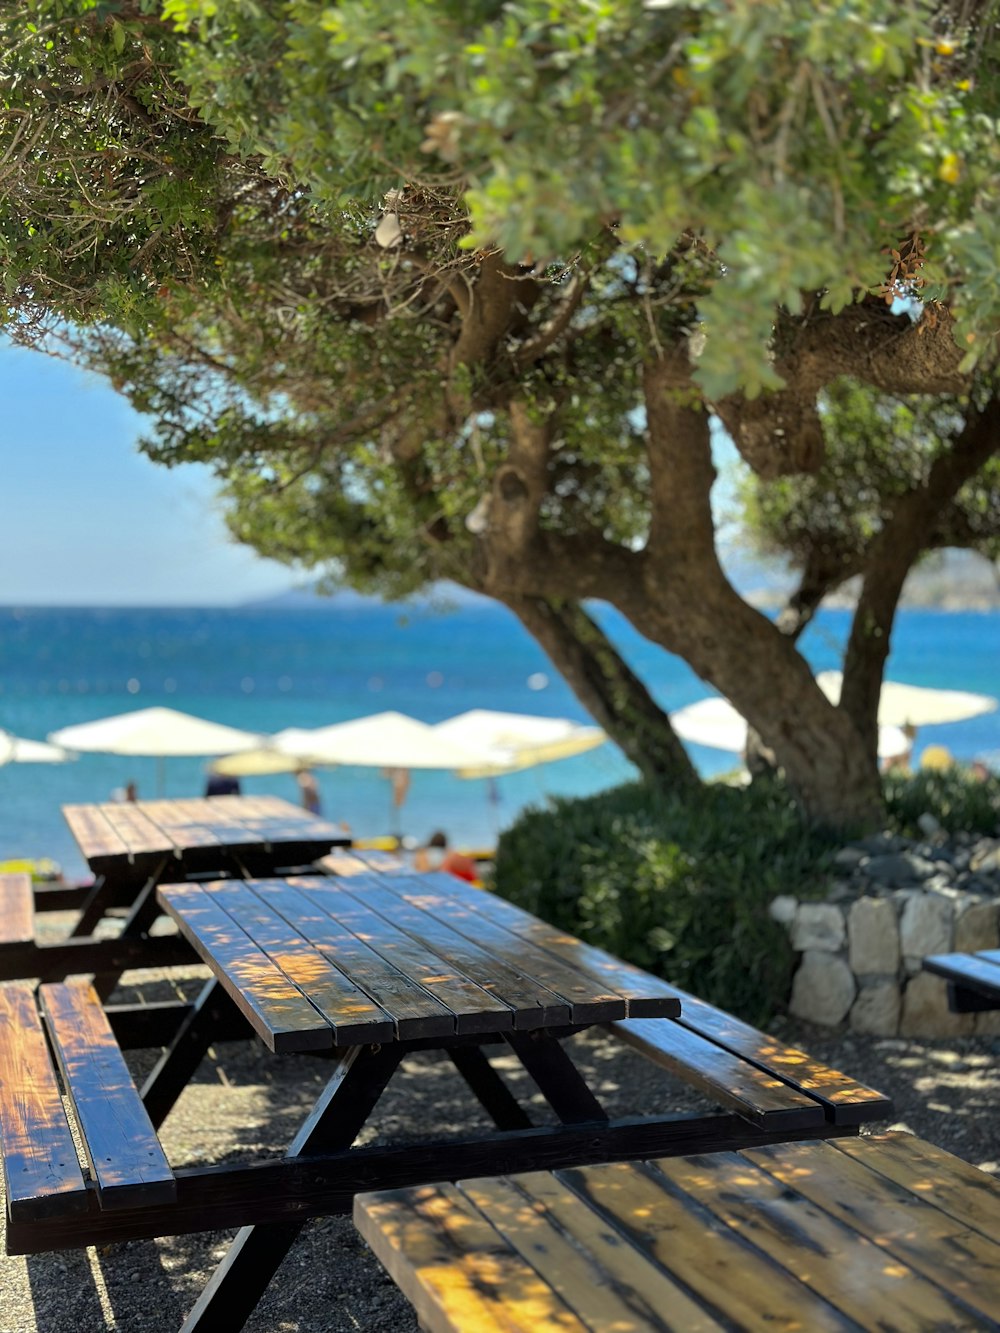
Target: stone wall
[(892, 902)]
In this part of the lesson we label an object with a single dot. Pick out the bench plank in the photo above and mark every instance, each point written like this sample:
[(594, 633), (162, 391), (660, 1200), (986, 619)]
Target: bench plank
[(128, 1165), (729, 1079), (41, 1171), (278, 1011), (456, 1269), (793, 1224), (353, 1016), (846, 1101), (17, 909)]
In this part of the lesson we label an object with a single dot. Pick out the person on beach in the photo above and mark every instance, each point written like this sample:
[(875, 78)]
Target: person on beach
[(221, 784), (436, 856), (130, 792), (308, 790)]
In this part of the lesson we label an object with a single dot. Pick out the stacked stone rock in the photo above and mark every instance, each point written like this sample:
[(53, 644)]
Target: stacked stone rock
[(893, 902)]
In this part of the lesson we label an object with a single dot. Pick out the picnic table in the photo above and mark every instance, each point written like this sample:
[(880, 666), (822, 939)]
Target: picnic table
[(973, 979), (360, 971), (131, 847)]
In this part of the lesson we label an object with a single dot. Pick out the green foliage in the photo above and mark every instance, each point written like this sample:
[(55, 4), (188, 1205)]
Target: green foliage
[(878, 448), (958, 800), (678, 884)]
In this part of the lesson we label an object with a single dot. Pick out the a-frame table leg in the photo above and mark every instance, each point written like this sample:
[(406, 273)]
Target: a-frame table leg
[(255, 1255), (489, 1088), (213, 1018), (561, 1083)]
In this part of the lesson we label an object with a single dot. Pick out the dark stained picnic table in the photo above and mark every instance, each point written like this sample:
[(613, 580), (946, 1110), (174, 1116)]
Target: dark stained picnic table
[(133, 846), (361, 970), (973, 979), (130, 841)]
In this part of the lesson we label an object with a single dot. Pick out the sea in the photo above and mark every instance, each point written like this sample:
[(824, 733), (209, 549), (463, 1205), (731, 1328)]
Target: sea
[(266, 668)]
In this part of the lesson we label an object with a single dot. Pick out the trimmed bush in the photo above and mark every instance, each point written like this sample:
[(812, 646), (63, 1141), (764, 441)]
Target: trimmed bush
[(958, 800), (678, 884)]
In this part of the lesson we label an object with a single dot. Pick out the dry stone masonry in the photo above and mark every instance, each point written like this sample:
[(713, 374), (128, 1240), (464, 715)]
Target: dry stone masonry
[(892, 902)]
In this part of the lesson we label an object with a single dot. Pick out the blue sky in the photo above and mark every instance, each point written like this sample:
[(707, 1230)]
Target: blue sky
[(88, 521)]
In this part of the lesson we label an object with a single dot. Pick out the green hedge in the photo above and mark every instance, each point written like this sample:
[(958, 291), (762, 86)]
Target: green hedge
[(679, 885), (958, 800)]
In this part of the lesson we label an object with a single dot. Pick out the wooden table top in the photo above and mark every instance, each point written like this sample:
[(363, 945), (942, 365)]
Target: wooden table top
[(976, 972), (314, 961), (196, 832)]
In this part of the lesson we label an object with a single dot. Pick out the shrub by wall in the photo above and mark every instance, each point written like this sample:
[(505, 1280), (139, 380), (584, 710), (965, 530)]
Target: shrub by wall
[(679, 885)]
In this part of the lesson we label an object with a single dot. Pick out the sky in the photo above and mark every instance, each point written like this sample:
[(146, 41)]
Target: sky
[(88, 521)]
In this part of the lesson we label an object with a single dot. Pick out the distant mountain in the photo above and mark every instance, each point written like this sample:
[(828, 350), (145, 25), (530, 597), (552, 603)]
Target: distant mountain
[(951, 580), (305, 597)]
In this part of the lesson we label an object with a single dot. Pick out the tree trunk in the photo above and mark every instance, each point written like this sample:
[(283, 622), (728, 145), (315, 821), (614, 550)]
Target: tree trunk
[(608, 688)]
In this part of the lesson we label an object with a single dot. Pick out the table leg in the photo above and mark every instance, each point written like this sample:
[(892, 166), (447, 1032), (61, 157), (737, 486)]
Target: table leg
[(561, 1083), (142, 914), (213, 1012), (490, 1089), (255, 1255), (98, 901)]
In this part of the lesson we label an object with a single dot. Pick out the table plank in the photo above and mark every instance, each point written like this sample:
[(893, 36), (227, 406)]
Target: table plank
[(475, 1009), (606, 1281), (943, 1250), (979, 972), (534, 1005), (356, 1020), (414, 1011), (93, 833), (588, 1000), (17, 909), (277, 1010), (466, 1276), (646, 996), (142, 836)]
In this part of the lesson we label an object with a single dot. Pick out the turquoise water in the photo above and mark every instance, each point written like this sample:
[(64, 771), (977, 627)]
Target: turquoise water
[(263, 670)]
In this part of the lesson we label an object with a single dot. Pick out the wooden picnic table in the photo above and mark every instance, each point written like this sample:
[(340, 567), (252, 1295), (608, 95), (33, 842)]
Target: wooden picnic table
[(973, 979), (131, 847), (130, 841), (362, 970)]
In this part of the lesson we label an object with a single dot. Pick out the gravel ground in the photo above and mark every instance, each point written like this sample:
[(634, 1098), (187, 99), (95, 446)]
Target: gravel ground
[(244, 1101)]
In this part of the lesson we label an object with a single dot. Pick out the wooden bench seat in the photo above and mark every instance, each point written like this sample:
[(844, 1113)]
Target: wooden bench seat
[(773, 1085), (42, 1171), (17, 909), (882, 1232)]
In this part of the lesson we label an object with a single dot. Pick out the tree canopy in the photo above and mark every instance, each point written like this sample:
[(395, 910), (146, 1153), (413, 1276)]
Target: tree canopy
[(453, 289)]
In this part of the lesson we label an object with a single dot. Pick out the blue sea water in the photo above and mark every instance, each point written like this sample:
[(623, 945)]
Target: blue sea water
[(265, 669)]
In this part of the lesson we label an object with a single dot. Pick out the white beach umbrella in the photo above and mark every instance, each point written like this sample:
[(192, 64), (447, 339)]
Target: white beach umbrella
[(915, 705), (714, 722), (389, 741), (156, 732), (18, 750), (517, 740), (382, 740)]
